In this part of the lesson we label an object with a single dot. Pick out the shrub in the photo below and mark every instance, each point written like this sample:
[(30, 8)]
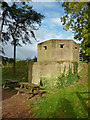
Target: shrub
[(63, 80), (66, 79), (75, 67), (49, 82), (45, 81)]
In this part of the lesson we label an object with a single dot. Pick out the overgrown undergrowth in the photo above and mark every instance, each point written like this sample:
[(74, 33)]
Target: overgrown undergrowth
[(63, 80)]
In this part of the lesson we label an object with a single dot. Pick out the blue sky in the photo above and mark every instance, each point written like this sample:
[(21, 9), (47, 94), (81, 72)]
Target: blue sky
[(51, 28)]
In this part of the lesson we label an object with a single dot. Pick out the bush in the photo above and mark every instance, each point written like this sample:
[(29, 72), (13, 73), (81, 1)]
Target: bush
[(63, 80), (66, 79), (75, 67), (49, 82)]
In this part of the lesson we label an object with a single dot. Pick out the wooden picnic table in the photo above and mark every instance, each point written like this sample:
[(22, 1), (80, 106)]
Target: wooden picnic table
[(10, 83), (28, 88)]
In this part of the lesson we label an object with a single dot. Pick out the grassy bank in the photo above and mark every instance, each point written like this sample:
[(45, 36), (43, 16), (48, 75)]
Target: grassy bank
[(65, 103), (21, 73), (69, 102)]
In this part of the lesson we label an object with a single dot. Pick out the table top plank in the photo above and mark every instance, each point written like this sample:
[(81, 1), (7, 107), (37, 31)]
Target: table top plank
[(28, 84)]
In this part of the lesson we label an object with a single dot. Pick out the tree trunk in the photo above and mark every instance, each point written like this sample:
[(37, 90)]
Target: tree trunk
[(0, 20), (14, 63)]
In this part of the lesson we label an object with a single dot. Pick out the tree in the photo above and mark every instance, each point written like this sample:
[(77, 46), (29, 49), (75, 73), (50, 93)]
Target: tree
[(34, 59), (19, 23), (76, 19)]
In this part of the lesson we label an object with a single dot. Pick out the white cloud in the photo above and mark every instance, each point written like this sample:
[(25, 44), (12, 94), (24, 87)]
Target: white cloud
[(27, 51), (43, 0), (51, 23), (30, 0), (52, 20), (56, 21), (44, 34)]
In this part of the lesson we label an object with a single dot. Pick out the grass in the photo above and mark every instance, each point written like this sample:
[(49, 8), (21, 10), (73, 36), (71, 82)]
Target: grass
[(71, 102), (82, 72), (21, 72), (65, 103)]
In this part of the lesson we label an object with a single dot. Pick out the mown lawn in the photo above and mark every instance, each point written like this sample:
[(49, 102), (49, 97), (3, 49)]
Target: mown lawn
[(65, 103)]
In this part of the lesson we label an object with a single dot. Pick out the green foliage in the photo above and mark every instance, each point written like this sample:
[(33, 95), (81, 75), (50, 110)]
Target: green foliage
[(70, 70), (21, 74), (45, 81), (75, 67), (19, 19), (63, 80), (5, 60), (62, 103), (64, 70), (49, 82), (34, 59), (76, 19)]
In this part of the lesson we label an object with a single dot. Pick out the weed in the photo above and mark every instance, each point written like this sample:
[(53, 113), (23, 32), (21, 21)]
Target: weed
[(75, 67), (63, 80)]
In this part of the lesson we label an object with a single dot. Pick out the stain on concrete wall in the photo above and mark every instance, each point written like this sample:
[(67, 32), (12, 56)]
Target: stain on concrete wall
[(46, 69)]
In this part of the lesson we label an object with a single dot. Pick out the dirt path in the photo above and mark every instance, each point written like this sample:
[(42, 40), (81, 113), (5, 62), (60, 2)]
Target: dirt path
[(15, 106)]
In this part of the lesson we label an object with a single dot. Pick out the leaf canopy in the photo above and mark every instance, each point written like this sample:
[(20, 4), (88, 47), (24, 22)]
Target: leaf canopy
[(19, 23), (76, 19)]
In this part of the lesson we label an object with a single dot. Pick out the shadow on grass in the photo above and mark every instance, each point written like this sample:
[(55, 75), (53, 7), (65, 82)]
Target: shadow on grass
[(64, 109), (83, 100)]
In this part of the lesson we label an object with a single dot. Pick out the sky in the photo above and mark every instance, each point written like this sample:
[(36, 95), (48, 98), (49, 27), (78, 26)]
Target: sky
[(51, 28)]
